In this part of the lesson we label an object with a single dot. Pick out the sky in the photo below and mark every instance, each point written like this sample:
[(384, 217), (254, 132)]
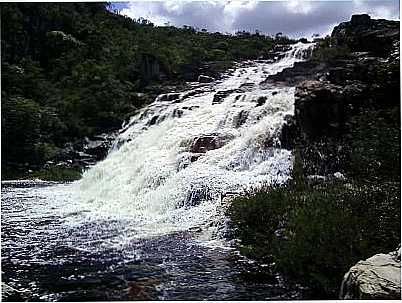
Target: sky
[(294, 18)]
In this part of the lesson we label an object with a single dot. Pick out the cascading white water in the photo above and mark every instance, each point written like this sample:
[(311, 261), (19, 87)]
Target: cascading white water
[(153, 178)]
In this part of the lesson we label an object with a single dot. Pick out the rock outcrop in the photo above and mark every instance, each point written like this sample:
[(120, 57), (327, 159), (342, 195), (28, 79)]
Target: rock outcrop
[(334, 87), (378, 277), (323, 108), (363, 34)]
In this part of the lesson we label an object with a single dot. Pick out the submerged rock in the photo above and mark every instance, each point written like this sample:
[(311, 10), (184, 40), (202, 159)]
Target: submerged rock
[(378, 277)]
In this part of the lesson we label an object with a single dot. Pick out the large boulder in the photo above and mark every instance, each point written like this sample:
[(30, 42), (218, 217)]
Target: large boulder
[(378, 277), (362, 34)]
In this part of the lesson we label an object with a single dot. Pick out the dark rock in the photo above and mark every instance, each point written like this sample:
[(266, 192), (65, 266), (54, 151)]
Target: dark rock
[(261, 101), (221, 95), (153, 120), (169, 97), (177, 113), (97, 148), (205, 79), (363, 34), (240, 119), (321, 108), (197, 195), (301, 71), (205, 143), (289, 133), (190, 107)]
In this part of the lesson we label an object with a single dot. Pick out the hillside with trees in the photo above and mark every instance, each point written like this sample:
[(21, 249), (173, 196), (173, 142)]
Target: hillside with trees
[(74, 70)]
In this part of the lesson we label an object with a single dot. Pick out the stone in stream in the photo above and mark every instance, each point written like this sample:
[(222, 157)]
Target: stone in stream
[(221, 95), (205, 143), (205, 79), (169, 97), (261, 101), (240, 118), (378, 277)]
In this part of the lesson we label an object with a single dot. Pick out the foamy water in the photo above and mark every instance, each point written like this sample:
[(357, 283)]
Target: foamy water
[(149, 178)]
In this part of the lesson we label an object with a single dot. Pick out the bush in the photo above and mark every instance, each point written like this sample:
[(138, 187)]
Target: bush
[(374, 140), (328, 54), (316, 234), (62, 174)]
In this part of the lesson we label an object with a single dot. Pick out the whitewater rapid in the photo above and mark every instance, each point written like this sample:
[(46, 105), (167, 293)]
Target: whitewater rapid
[(153, 179)]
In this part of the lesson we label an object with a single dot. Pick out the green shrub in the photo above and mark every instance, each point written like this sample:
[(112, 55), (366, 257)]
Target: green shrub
[(54, 173), (374, 140), (316, 234), (327, 54)]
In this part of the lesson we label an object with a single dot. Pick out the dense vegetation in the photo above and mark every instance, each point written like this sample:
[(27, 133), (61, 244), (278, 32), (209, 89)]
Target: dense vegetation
[(71, 70)]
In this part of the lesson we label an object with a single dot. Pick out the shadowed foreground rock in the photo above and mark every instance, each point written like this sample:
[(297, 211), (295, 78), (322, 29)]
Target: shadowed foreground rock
[(378, 277)]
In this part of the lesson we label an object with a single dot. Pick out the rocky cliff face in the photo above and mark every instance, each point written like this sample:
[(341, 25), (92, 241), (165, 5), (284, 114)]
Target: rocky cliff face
[(330, 91), (363, 84), (363, 34)]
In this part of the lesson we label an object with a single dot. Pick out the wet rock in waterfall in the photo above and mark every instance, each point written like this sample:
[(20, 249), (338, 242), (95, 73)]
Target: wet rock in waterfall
[(240, 118), (274, 93), (177, 113), (378, 277), (221, 95), (194, 157), (205, 143), (197, 195), (261, 101), (169, 97), (191, 93), (186, 159), (205, 79), (153, 120), (247, 85), (99, 146), (190, 107), (289, 133)]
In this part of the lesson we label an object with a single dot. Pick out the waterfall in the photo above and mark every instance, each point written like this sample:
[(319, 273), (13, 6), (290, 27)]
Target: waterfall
[(174, 159)]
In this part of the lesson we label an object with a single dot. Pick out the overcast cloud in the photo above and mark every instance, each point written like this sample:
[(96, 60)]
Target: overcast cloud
[(294, 17)]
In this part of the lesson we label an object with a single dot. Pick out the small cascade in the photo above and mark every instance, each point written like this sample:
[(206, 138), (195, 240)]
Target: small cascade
[(173, 161)]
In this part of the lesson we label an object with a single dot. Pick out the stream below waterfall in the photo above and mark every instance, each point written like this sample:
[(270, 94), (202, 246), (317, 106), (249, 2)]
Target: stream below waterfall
[(147, 223)]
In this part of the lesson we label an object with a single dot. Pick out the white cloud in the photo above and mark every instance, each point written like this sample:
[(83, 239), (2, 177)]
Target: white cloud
[(294, 17), (298, 6)]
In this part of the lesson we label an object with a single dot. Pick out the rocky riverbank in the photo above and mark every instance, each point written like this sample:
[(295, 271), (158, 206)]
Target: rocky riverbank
[(343, 204)]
